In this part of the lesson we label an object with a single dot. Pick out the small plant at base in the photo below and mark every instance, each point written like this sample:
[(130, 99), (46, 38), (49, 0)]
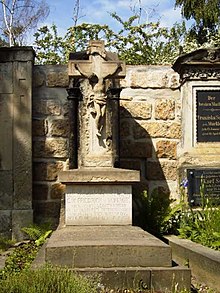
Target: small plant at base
[(49, 279), (5, 243), (201, 225), (25, 253), (39, 234)]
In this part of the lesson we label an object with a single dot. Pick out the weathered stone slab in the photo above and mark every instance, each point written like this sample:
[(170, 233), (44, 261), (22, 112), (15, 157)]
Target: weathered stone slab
[(151, 77), (203, 261), (99, 175), (98, 205), (143, 279), (106, 247)]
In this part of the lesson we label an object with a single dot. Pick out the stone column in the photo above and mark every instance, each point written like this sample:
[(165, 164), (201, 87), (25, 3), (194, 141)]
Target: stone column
[(16, 140)]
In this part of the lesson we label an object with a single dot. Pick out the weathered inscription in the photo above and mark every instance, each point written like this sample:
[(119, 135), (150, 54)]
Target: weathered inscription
[(206, 179), (98, 205), (208, 116)]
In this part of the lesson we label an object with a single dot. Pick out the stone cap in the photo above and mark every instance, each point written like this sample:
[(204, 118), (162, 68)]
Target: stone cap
[(198, 57), (202, 64), (10, 54), (99, 175)]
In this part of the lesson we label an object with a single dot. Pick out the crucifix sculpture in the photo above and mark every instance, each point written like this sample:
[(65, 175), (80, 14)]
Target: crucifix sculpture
[(93, 76)]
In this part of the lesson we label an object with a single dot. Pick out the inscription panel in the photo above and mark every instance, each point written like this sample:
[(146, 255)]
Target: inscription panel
[(98, 205), (211, 180), (208, 116)]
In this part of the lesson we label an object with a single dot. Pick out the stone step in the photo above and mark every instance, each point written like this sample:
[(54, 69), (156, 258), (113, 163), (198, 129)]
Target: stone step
[(159, 279), (106, 247)]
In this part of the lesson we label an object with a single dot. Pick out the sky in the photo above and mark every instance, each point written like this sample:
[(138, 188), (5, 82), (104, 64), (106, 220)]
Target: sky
[(97, 11)]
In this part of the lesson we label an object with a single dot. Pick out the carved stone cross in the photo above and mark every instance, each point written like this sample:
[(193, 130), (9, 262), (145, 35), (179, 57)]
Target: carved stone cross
[(95, 72), (100, 64)]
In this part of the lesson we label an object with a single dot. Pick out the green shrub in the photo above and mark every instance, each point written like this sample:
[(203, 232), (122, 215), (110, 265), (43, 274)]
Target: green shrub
[(48, 280), (201, 225), (20, 259), (155, 208)]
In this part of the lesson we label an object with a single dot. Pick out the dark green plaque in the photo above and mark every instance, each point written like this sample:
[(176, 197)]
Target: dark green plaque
[(211, 180), (208, 116)]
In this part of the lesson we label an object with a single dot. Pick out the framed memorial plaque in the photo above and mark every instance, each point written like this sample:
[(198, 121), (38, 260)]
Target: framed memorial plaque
[(208, 115), (206, 179)]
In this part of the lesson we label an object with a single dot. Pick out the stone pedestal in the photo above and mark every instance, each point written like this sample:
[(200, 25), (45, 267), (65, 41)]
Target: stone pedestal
[(98, 196)]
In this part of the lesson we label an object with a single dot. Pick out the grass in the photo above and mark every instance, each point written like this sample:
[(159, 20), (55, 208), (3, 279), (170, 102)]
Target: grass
[(48, 280)]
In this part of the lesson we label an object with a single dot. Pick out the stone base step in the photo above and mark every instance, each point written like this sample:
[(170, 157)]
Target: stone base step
[(106, 247), (160, 279)]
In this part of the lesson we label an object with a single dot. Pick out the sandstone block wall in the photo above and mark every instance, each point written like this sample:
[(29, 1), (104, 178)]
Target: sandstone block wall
[(50, 140), (151, 125), (150, 130)]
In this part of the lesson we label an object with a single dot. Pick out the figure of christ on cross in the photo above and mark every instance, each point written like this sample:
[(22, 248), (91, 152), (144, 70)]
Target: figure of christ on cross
[(97, 105), (98, 68)]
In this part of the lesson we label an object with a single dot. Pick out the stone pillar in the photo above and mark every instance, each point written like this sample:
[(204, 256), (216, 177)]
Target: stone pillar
[(16, 140), (199, 151)]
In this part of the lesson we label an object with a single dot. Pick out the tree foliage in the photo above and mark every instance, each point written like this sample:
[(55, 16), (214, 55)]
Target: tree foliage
[(20, 16), (205, 13), (135, 43)]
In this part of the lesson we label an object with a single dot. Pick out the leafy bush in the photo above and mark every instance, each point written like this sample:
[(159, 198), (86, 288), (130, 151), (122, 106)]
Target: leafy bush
[(201, 225), (154, 210), (48, 279)]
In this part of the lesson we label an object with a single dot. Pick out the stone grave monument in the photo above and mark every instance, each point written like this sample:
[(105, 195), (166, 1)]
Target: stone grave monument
[(96, 192), (199, 152), (97, 235)]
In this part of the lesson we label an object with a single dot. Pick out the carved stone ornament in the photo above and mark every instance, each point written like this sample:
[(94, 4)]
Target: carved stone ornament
[(200, 73), (199, 64)]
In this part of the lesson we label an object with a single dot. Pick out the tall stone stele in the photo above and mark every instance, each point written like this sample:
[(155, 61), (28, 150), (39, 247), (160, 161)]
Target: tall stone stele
[(97, 193), (16, 66)]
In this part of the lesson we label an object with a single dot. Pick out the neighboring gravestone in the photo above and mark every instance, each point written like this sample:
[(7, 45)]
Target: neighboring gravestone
[(205, 182), (16, 140), (97, 193), (199, 151)]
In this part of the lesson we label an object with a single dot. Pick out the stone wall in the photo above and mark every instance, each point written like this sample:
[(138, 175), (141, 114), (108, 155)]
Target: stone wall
[(151, 125), (150, 131), (50, 139)]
